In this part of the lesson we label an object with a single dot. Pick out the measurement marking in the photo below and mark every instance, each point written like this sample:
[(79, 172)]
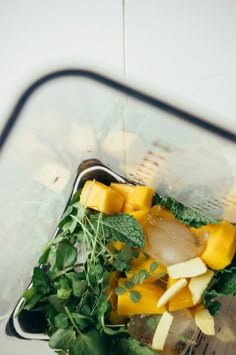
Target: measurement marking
[(156, 155)]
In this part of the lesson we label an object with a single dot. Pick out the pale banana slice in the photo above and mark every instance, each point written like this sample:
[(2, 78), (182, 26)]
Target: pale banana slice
[(198, 284), (190, 268), (171, 292), (205, 322), (161, 332)]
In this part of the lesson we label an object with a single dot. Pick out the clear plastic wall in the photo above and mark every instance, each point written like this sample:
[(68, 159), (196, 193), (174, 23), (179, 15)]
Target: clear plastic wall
[(72, 118)]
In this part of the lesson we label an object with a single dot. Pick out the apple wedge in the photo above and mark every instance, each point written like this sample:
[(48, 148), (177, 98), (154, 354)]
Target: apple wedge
[(198, 284), (190, 268), (205, 322), (171, 292), (162, 330)]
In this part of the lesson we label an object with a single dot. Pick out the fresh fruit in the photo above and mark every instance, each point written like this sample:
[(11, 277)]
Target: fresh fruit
[(172, 291), (221, 245), (198, 284), (205, 322), (100, 197), (162, 331), (190, 268)]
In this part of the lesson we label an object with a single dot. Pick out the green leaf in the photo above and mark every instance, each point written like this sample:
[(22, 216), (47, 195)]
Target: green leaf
[(119, 290), (61, 321), (122, 259), (66, 255), (131, 346), (129, 284), (151, 323), (62, 339), (134, 296), (40, 281), (82, 320), (57, 304), (135, 278), (192, 217), (79, 287), (122, 227), (143, 275), (223, 284), (91, 342), (31, 297), (63, 293), (153, 266)]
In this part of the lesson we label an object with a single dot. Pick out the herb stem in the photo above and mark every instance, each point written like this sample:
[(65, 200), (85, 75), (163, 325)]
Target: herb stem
[(64, 271), (72, 320)]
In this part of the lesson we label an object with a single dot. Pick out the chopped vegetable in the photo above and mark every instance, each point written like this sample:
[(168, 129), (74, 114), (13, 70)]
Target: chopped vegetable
[(190, 268), (162, 331)]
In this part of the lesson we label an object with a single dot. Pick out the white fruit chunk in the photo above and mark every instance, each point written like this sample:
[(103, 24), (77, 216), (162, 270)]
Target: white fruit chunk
[(198, 284), (205, 322), (190, 268), (161, 332), (171, 292)]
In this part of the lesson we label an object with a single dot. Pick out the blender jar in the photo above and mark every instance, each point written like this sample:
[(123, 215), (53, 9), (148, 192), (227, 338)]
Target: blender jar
[(70, 116)]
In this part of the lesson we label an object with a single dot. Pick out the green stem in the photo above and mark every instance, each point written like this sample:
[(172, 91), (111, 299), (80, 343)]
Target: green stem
[(64, 271), (72, 320)]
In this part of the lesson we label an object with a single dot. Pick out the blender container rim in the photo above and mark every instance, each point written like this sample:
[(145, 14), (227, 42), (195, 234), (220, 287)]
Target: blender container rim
[(179, 113)]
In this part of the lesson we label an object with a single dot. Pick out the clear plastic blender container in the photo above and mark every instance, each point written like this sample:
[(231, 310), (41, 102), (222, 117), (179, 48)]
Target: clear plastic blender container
[(70, 116)]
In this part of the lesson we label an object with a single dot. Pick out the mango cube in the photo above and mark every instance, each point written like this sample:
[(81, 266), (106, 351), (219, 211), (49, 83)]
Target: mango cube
[(101, 198), (140, 198), (220, 246), (147, 304)]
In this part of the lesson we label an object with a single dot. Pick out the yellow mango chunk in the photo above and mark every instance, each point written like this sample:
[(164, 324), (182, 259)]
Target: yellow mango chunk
[(147, 304), (198, 307), (220, 246), (140, 216), (101, 198), (118, 245), (139, 199), (142, 263), (123, 189), (183, 299)]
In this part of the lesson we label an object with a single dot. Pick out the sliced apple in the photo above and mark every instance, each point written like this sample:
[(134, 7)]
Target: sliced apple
[(162, 330), (198, 284), (205, 322), (190, 268), (171, 292)]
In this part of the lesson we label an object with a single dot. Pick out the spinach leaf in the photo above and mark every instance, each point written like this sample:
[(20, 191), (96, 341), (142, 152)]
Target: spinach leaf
[(61, 321), (40, 281), (66, 255), (91, 342), (131, 346), (62, 339)]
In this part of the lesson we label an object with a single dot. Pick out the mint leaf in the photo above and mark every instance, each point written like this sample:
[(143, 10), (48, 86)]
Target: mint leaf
[(192, 217), (62, 339), (122, 227), (119, 290), (223, 284)]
